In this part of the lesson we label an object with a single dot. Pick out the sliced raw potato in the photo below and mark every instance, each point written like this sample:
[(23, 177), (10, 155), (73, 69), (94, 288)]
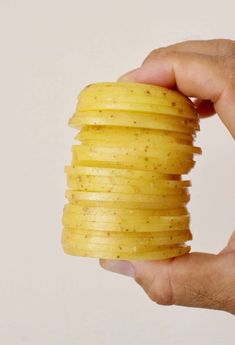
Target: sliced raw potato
[(74, 183), (85, 224), (140, 198), (141, 91), (128, 205), (184, 112), (148, 164), (158, 238), (126, 201), (119, 180), (125, 120), (143, 136), (74, 249), (125, 213), (139, 175), (167, 151), (170, 221), (158, 253), (122, 236), (114, 245), (126, 198)]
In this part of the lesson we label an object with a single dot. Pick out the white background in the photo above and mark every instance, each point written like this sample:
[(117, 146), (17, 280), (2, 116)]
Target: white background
[(49, 51)]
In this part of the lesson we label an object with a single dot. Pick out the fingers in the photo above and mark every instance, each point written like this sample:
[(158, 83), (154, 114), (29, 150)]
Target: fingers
[(195, 74), (194, 280), (216, 47)]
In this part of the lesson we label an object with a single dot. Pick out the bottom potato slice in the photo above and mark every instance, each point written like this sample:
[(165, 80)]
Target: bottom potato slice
[(156, 254)]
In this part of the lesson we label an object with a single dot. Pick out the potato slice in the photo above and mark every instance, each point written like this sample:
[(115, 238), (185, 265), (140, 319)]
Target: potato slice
[(159, 252), (85, 224), (74, 183), (184, 112), (139, 175), (158, 238), (119, 180), (126, 120), (145, 136), (166, 151), (141, 163), (126, 201), (126, 213), (143, 92), (170, 223)]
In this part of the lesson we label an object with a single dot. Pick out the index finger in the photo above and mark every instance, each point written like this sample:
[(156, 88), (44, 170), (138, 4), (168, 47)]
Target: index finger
[(195, 75)]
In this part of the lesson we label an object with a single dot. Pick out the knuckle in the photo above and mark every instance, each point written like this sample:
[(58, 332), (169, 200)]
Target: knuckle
[(154, 54), (158, 289), (228, 67)]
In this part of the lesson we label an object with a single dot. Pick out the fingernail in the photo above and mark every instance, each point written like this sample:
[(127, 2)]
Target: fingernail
[(128, 76), (121, 267)]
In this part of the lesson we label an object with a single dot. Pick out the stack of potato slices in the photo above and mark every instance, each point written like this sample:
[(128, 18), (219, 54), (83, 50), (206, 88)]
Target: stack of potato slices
[(126, 196)]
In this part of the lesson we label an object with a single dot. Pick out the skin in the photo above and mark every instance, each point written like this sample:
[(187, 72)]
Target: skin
[(204, 70)]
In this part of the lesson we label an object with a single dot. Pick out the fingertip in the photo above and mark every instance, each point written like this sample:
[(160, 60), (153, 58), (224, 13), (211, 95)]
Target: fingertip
[(129, 76)]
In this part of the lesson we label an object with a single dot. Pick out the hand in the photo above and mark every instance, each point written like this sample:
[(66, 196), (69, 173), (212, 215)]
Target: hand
[(205, 70)]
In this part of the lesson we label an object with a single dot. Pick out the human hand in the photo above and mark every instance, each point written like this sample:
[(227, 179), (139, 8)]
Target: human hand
[(204, 70)]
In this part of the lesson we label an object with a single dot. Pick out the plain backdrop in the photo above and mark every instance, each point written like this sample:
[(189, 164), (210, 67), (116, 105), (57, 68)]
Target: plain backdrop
[(50, 49)]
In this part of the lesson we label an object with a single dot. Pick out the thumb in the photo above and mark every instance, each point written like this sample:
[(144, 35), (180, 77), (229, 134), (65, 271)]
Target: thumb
[(193, 280)]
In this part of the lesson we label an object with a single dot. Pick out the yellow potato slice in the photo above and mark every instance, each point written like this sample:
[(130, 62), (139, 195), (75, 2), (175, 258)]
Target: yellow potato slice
[(85, 224), (126, 213), (128, 205), (159, 253), (126, 201), (125, 120), (150, 185), (166, 151), (172, 222), (159, 238), (74, 183), (144, 136), (134, 93), (140, 198), (140, 91), (139, 175), (122, 236), (111, 104), (139, 163)]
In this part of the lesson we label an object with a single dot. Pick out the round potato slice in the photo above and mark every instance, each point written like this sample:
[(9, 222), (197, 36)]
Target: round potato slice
[(129, 90), (161, 252), (74, 183), (126, 120), (142, 163), (122, 227), (165, 151), (126, 200), (111, 104), (139, 175), (125, 213), (158, 238), (135, 183), (129, 205), (140, 198), (133, 134), (171, 222)]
